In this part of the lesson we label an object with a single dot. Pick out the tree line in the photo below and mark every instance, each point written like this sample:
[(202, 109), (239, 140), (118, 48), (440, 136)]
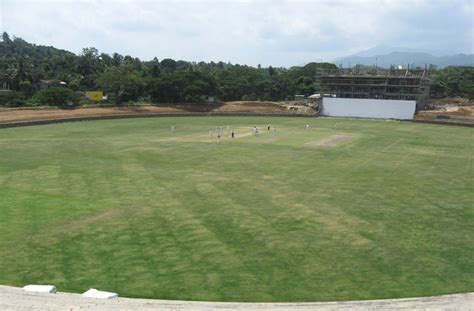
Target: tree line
[(127, 79), (453, 82)]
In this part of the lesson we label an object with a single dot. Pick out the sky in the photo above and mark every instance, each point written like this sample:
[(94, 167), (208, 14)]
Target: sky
[(281, 33)]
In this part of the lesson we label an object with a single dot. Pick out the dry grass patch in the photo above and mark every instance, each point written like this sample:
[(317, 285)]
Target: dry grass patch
[(332, 140)]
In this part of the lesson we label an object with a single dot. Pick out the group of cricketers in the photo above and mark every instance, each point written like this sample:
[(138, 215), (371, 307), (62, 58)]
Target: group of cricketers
[(230, 131)]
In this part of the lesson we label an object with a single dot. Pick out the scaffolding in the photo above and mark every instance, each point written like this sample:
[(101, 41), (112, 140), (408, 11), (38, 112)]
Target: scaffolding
[(378, 84)]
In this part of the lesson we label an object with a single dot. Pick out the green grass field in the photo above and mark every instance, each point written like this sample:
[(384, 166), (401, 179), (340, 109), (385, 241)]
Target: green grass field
[(128, 206)]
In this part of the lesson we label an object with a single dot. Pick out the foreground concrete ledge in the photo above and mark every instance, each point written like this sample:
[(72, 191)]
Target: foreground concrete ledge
[(14, 298)]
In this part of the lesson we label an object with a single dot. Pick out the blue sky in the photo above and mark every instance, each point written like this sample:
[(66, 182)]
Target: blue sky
[(266, 32)]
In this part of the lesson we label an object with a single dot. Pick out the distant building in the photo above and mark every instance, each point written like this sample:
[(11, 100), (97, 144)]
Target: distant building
[(383, 84)]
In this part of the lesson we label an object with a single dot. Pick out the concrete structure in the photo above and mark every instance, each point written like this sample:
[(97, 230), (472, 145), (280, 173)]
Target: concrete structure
[(378, 84), (98, 294), (15, 299), (50, 289), (368, 108)]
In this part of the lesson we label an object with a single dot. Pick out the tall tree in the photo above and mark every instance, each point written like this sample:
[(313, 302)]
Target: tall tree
[(123, 83)]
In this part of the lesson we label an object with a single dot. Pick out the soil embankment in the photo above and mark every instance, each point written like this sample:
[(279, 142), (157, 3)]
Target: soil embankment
[(25, 115), (449, 110), (14, 116)]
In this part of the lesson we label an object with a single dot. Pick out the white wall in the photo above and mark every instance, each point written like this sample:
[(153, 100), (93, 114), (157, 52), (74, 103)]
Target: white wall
[(368, 108)]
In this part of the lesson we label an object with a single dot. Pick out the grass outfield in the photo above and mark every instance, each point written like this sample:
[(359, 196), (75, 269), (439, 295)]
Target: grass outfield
[(128, 206)]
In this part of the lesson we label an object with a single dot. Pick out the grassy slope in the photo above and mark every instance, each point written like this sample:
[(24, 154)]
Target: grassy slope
[(128, 206)]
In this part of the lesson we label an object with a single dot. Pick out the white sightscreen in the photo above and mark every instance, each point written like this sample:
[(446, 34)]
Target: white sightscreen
[(368, 108)]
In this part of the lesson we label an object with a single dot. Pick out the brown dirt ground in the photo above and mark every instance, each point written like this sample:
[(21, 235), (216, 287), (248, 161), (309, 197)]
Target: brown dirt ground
[(457, 101), (465, 112), (20, 115), (457, 108), (250, 106), (41, 114)]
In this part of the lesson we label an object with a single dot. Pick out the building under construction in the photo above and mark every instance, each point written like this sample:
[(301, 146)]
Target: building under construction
[(378, 84)]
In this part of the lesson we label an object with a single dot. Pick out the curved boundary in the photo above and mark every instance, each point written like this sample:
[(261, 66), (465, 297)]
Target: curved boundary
[(443, 123), (194, 114), (149, 115), (14, 298)]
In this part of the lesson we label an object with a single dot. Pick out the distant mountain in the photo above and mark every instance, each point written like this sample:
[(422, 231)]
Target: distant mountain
[(384, 56), (382, 49)]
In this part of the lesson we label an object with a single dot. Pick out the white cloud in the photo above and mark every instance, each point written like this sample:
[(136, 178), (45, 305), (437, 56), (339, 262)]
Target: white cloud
[(280, 33)]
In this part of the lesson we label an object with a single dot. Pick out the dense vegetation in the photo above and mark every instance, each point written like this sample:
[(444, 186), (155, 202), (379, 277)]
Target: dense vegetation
[(124, 78), (128, 79), (452, 82)]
